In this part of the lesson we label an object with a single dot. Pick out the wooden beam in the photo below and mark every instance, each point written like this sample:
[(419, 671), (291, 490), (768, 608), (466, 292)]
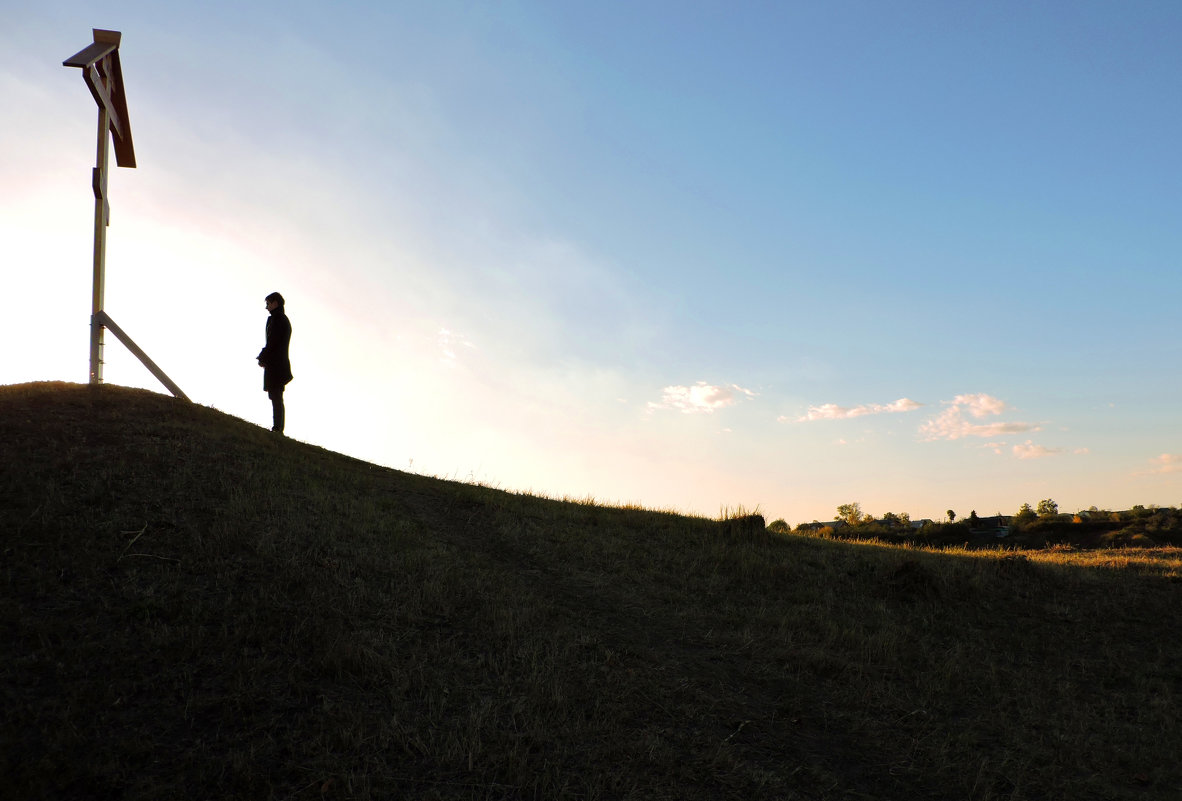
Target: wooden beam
[(104, 319), (106, 37), (120, 123), (89, 54), (124, 150), (98, 84)]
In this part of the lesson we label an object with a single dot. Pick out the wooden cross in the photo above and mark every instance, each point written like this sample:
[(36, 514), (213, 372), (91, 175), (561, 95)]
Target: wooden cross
[(103, 74)]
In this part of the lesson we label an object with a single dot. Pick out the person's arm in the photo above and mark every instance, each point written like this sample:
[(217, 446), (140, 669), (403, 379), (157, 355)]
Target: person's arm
[(264, 353)]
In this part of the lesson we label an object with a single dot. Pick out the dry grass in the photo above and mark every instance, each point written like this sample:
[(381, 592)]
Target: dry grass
[(192, 608)]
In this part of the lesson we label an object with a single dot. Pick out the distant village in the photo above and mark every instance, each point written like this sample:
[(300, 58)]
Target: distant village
[(1032, 527)]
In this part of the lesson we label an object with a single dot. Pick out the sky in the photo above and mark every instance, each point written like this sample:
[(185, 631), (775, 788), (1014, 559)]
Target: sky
[(695, 256)]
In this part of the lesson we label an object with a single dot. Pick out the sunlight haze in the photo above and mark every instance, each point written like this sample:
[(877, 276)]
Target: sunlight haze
[(693, 256)]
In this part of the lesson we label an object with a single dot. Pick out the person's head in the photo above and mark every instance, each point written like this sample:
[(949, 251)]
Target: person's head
[(274, 301)]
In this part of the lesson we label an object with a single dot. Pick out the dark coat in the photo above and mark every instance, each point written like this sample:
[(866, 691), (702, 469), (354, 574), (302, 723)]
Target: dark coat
[(273, 357)]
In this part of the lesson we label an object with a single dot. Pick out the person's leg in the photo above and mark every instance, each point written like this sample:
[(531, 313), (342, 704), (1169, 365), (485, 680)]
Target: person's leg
[(277, 410)]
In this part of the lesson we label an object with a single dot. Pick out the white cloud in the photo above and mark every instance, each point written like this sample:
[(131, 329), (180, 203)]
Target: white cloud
[(701, 398), (952, 424), (980, 405), (1029, 450), (831, 411)]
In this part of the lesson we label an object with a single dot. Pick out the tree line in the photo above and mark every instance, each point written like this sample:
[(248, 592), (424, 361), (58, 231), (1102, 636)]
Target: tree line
[(1035, 526)]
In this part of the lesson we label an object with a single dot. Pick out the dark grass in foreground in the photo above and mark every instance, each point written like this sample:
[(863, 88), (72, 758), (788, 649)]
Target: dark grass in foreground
[(191, 608)]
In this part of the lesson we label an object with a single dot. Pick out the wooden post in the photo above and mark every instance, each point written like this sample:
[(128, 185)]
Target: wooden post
[(101, 220)]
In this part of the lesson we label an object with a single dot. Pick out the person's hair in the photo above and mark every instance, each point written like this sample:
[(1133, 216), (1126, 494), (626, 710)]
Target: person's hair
[(275, 296)]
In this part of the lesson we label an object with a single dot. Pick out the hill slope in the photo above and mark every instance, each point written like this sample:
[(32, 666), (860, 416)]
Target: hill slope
[(191, 607)]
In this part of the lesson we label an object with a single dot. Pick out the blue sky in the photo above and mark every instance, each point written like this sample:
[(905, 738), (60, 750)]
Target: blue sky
[(922, 256)]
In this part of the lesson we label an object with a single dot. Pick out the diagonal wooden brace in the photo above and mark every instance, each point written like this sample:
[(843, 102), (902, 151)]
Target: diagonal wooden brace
[(103, 319)]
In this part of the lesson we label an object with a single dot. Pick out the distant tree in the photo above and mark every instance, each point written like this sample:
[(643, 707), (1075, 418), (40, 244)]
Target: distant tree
[(951, 516), (1047, 508), (1025, 514), (850, 513), (973, 519), (779, 526)]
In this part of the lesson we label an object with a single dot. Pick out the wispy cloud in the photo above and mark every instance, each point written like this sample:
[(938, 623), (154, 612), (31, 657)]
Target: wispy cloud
[(701, 398), (1029, 450), (1166, 463), (831, 411), (449, 344), (956, 421)]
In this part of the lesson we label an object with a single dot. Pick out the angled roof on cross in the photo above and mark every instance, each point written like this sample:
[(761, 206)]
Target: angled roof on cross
[(103, 74)]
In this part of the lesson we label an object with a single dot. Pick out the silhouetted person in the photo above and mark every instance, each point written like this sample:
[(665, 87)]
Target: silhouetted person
[(273, 358)]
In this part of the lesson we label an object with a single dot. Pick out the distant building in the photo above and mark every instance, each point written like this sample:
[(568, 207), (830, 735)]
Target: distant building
[(997, 525), (815, 526)]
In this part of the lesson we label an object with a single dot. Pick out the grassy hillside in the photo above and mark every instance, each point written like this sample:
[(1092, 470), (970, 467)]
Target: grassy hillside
[(192, 608)]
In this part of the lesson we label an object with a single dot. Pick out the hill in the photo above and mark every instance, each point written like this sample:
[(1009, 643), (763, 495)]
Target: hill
[(193, 608)]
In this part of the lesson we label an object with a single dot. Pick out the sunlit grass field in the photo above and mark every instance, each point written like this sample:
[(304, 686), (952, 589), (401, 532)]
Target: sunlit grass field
[(1163, 562), (192, 608)]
